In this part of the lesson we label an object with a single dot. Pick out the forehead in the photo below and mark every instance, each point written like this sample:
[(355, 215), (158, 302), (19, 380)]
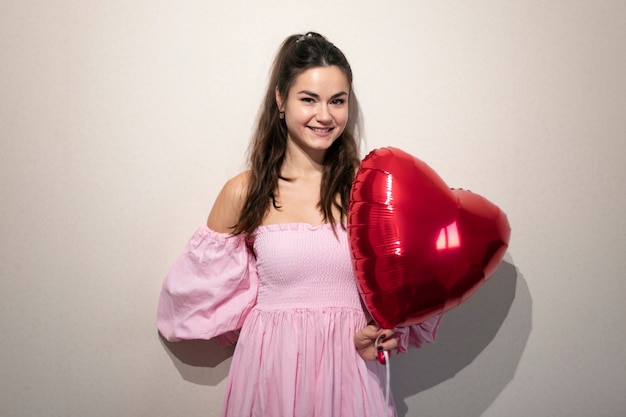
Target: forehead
[(321, 80)]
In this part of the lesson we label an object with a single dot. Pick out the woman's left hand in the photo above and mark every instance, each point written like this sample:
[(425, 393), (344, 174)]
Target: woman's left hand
[(365, 341)]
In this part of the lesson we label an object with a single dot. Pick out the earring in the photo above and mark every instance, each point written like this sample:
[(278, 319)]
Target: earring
[(281, 115)]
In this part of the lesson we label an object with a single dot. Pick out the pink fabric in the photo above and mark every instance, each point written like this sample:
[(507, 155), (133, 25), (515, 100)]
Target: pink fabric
[(210, 289), (296, 307)]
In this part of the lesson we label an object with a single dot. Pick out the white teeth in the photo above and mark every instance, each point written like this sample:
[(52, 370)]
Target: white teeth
[(315, 129)]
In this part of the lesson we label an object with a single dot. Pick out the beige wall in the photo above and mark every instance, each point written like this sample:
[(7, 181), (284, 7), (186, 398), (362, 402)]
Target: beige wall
[(120, 121)]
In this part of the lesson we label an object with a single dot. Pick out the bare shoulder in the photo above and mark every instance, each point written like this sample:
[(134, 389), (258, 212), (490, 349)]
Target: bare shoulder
[(228, 204)]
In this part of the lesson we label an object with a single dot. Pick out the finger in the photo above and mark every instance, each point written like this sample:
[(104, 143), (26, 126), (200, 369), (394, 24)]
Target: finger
[(389, 344), (386, 342), (383, 335), (366, 336), (371, 331)]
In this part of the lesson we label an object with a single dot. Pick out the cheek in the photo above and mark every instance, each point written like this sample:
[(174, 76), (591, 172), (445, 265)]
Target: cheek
[(301, 115), (297, 120), (342, 118)]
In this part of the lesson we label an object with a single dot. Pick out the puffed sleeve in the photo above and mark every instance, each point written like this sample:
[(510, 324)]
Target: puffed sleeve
[(417, 335), (210, 289)]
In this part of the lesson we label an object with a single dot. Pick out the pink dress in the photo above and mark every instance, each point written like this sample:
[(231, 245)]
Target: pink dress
[(289, 298)]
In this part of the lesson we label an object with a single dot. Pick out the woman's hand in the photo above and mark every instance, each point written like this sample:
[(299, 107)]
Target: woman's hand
[(366, 338)]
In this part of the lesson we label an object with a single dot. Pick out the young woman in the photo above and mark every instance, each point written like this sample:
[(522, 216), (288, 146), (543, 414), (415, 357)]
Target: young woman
[(272, 269)]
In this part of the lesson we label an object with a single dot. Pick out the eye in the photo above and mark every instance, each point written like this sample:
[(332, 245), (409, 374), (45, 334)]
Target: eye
[(306, 100), (338, 101)]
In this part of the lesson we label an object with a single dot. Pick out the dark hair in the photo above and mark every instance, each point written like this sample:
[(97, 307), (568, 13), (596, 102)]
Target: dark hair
[(266, 154)]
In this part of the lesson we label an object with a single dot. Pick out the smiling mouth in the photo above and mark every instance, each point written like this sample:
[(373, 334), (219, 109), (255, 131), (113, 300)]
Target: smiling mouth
[(321, 130)]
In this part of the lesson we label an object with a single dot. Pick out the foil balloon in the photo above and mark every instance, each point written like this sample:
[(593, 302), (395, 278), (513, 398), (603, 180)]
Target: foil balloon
[(419, 248)]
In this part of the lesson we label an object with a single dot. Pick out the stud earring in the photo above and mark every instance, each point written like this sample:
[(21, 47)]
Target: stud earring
[(281, 115)]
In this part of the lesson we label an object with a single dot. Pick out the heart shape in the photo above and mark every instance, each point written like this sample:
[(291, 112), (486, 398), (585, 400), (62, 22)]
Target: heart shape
[(419, 248)]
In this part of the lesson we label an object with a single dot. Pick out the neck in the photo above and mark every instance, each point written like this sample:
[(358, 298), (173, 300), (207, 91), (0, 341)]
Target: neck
[(300, 164)]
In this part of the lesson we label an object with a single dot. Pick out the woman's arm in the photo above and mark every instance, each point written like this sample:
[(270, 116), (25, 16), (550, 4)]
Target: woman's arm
[(228, 204)]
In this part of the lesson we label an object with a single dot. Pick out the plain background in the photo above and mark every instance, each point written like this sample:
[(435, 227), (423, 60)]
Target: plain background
[(121, 120)]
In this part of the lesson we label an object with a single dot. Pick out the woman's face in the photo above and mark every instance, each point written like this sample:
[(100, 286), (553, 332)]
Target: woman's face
[(316, 108)]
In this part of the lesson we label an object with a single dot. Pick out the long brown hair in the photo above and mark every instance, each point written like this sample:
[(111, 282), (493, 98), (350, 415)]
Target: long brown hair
[(266, 154)]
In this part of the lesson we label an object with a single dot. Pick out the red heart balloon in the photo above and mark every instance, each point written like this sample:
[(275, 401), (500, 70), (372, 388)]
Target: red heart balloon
[(419, 248)]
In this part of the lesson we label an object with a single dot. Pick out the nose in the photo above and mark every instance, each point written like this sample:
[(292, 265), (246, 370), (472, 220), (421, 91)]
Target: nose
[(323, 114)]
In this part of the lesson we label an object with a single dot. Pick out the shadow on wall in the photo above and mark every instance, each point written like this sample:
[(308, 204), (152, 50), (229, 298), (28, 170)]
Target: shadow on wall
[(497, 315), (202, 362)]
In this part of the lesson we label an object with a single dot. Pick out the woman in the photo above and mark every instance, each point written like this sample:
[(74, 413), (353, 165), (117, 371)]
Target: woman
[(272, 270)]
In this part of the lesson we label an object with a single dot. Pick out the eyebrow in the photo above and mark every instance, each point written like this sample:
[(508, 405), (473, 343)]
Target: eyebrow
[(312, 94)]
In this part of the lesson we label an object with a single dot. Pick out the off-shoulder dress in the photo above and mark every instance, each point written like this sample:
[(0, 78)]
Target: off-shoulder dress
[(288, 297)]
